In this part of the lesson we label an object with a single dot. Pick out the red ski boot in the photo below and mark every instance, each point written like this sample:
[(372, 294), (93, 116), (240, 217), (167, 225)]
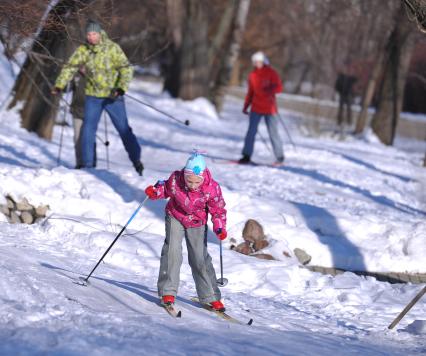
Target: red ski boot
[(217, 305), (168, 300)]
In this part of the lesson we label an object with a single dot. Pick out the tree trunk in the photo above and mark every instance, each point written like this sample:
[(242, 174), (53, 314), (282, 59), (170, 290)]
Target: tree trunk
[(230, 57), (303, 76), (194, 74), (236, 74), (40, 69), (222, 33), (369, 93), (175, 13), (398, 54), (187, 72)]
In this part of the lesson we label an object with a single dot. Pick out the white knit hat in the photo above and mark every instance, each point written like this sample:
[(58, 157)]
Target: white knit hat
[(258, 57)]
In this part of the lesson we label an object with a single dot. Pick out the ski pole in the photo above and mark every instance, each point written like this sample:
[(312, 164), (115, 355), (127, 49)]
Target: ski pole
[(84, 281), (222, 282), (264, 141), (286, 130), (186, 122), (407, 308), (106, 140)]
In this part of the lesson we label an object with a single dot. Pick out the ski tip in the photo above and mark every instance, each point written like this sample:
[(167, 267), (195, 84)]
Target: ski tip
[(250, 322)]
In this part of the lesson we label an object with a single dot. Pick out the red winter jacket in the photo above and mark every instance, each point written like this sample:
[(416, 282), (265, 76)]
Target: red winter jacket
[(263, 84)]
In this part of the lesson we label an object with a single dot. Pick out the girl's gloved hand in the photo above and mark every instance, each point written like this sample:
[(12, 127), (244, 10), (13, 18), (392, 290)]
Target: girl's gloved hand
[(151, 191), (221, 234)]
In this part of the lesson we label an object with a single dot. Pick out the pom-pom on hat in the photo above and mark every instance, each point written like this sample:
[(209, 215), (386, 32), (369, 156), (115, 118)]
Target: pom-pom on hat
[(195, 164)]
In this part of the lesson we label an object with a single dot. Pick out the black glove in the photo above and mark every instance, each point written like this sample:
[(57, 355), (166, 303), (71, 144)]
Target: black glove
[(56, 91), (116, 92)]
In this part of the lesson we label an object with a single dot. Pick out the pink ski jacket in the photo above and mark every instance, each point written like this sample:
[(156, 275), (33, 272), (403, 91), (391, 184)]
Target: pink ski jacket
[(191, 207)]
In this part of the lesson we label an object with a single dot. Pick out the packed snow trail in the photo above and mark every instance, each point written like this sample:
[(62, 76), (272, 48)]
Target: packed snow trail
[(352, 204), (44, 311)]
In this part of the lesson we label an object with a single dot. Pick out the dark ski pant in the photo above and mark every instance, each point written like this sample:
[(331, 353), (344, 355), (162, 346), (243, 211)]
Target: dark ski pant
[(272, 126), (345, 102), (117, 112), (198, 258)]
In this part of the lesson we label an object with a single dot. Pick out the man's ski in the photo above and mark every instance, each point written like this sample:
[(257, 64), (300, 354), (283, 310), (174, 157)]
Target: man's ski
[(250, 164), (171, 310), (222, 315), (235, 161)]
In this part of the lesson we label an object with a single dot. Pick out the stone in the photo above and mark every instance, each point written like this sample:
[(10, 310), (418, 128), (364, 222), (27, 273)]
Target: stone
[(10, 203), (4, 210), (14, 218), (302, 256), (41, 211), (264, 256), (27, 217), (253, 231), (24, 205), (260, 244), (244, 248)]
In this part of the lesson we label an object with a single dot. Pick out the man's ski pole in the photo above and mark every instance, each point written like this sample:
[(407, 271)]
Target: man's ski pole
[(84, 281), (106, 140), (186, 122), (286, 130), (407, 308)]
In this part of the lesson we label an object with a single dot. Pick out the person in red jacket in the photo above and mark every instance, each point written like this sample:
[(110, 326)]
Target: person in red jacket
[(263, 84)]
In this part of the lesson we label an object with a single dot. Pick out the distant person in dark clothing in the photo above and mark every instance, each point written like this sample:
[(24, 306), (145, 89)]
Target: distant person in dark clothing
[(344, 87)]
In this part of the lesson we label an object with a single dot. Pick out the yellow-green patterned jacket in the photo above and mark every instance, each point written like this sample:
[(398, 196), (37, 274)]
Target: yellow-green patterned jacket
[(105, 65)]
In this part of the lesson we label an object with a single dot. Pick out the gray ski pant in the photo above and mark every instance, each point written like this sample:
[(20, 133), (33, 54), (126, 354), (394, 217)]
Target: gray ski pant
[(198, 258)]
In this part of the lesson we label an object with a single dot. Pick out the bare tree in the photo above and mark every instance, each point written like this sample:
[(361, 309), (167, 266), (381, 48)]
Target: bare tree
[(232, 50), (397, 59), (187, 75), (18, 21), (416, 9), (54, 43)]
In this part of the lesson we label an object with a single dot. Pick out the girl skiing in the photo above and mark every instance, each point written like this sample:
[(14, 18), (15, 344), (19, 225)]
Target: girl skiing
[(192, 194)]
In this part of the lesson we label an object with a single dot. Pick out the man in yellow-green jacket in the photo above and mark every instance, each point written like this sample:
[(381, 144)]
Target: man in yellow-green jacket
[(108, 75)]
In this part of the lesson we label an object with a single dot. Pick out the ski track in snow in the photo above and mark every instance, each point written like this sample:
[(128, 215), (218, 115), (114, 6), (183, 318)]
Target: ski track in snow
[(353, 204)]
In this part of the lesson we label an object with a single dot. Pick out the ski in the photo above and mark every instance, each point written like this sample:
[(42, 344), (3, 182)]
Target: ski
[(249, 164), (235, 161), (172, 311), (222, 315)]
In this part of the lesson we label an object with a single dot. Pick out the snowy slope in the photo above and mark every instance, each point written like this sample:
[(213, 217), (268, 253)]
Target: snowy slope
[(353, 204)]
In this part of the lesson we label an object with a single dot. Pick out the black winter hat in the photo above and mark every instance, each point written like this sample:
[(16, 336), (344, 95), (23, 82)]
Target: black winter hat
[(93, 26)]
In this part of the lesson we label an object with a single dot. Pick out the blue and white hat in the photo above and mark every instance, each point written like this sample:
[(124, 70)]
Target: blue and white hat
[(195, 164)]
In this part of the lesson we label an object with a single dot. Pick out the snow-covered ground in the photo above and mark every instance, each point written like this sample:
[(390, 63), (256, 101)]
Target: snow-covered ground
[(353, 204)]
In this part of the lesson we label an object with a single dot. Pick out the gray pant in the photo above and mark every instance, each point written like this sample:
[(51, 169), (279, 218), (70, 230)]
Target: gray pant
[(272, 126), (198, 258)]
